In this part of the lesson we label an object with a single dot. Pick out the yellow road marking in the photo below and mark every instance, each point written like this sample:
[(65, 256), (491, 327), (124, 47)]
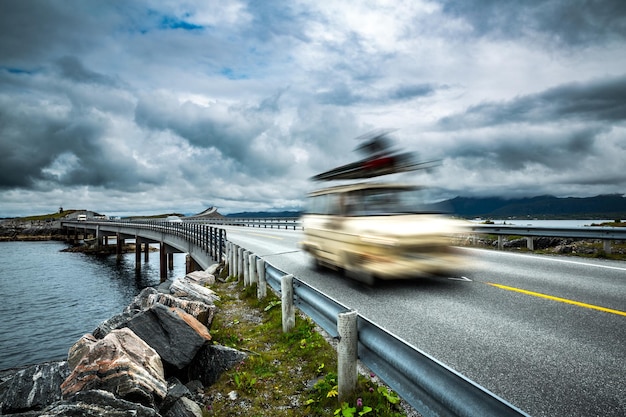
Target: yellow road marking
[(562, 300)]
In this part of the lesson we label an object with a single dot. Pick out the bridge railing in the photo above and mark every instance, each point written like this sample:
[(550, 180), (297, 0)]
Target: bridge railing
[(264, 222), (210, 239)]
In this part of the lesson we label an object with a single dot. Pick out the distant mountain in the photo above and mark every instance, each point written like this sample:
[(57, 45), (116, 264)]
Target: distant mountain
[(611, 206)]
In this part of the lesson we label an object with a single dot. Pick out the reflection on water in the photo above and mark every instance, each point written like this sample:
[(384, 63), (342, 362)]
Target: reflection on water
[(51, 298)]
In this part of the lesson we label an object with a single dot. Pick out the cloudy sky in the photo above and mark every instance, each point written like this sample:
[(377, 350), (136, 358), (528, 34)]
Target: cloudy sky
[(148, 107)]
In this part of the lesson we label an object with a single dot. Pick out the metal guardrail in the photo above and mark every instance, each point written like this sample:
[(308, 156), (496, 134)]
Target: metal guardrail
[(428, 385), (261, 222), (586, 232), (210, 239)]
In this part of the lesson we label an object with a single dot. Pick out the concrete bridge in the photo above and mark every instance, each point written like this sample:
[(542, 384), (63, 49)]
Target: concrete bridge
[(203, 244)]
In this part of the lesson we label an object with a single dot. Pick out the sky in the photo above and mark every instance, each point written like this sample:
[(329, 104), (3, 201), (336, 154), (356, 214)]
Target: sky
[(147, 107)]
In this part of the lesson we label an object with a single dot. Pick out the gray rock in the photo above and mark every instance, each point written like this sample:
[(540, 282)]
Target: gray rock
[(184, 407), (175, 390), (115, 322), (97, 403), (33, 387), (184, 288), (212, 361), (143, 301), (175, 335), (202, 312), (202, 278)]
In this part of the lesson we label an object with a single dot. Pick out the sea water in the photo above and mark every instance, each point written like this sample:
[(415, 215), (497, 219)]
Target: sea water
[(49, 298)]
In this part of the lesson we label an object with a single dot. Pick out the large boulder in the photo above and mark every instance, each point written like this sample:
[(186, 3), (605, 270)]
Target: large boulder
[(120, 363), (184, 288), (202, 312), (211, 361), (174, 334), (98, 403), (201, 278), (148, 297), (33, 387)]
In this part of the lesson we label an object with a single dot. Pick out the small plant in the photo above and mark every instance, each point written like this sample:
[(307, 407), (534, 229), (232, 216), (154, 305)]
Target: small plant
[(374, 399)]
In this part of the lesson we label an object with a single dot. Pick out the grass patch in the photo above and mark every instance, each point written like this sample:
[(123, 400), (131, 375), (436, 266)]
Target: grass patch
[(292, 374)]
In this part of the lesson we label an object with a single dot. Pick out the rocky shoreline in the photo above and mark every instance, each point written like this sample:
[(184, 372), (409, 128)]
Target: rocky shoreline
[(153, 359)]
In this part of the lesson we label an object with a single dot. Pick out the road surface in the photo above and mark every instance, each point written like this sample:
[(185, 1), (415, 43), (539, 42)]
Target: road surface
[(546, 333)]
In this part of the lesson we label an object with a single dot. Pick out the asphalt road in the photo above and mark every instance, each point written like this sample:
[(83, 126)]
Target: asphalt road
[(558, 356)]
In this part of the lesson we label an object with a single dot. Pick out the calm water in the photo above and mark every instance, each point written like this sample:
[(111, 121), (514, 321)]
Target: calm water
[(51, 298)]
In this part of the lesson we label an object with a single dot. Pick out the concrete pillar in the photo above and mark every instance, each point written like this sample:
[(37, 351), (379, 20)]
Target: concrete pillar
[(137, 254), (170, 261), (120, 243), (606, 244), (191, 265), (500, 242), (530, 243), (146, 252), (261, 289), (163, 262), (347, 354), (286, 297)]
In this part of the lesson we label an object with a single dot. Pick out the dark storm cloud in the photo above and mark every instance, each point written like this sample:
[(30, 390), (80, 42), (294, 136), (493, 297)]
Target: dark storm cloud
[(601, 100), (344, 95), (572, 22), (43, 29), (73, 69)]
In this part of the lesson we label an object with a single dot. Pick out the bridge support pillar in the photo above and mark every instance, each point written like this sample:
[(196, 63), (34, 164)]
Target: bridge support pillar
[(170, 261), (137, 254), (120, 244), (163, 262), (146, 252), (191, 265)]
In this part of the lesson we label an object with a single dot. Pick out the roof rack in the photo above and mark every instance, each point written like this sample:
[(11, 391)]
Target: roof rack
[(380, 160)]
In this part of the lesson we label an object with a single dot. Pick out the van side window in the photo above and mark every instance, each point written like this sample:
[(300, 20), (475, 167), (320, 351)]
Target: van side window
[(318, 204)]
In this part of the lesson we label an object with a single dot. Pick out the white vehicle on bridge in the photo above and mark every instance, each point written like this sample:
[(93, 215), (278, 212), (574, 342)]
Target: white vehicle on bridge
[(378, 230), (374, 230)]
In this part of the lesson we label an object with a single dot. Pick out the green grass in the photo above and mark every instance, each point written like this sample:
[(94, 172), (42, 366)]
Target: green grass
[(285, 374)]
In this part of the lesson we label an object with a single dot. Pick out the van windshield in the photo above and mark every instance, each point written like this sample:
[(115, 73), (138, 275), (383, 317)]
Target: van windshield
[(372, 202)]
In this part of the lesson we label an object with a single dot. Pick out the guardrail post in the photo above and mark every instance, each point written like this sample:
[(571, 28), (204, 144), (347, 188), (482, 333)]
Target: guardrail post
[(530, 243), (286, 291), (261, 289), (239, 263), (606, 245), (500, 242), (246, 268), (234, 263), (347, 353), (252, 269)]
